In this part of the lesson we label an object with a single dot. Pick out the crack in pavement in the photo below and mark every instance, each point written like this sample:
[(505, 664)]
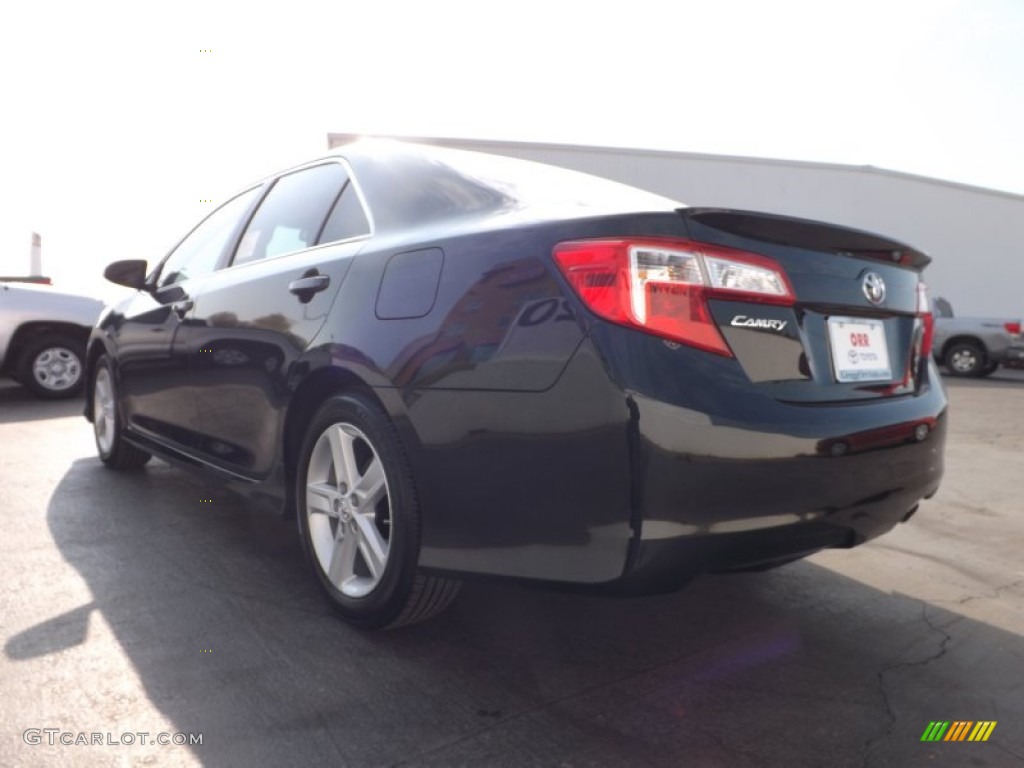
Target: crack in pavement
[(755, 757), (554, 702), (944, 643), (943, 648), (995, 594), (883, 687)]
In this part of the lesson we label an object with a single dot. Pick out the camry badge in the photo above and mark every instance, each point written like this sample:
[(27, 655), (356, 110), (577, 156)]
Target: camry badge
[(742, 321), (874, 287)]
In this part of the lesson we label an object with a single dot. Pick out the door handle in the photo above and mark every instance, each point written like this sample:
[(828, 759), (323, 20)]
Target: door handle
[(182, 308), (307, 285)]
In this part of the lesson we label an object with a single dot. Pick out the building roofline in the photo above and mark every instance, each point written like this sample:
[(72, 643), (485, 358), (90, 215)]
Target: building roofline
[(337, 139)]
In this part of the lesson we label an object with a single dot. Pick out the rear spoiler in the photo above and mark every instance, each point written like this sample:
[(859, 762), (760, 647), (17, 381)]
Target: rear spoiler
[(805, 233)]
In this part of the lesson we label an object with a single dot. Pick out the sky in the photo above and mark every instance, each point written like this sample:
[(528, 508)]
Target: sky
[(122, 120)]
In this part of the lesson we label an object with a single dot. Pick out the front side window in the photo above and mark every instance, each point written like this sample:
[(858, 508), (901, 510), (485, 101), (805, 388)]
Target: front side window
[(199, 253), (292, 214)]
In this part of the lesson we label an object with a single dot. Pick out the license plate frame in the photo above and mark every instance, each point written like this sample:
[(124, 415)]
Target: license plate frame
[(859, 349)]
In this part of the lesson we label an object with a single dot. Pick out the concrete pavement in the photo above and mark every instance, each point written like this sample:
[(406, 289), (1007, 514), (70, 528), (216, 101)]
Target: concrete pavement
[(128, 605)]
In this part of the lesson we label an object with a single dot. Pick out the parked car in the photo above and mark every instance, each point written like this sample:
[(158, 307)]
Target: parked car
[(445, 363), (43, 333), (973, 346), (34, 279), (1015, 355)]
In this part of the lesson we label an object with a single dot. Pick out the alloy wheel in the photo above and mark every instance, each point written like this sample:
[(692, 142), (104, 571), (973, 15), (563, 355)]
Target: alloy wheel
[(103, 408), (348, 508)]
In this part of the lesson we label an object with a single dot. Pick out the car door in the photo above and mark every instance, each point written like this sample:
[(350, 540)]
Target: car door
[(152, 365), (254, 320)]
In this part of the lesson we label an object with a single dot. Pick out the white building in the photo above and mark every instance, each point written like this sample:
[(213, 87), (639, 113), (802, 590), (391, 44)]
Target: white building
[(973, 234)]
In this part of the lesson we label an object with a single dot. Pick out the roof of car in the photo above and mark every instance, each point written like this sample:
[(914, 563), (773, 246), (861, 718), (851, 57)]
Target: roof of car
[(407, 185)]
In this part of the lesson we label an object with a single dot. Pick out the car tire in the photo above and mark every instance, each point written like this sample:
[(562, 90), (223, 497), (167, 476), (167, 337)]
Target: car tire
[(52, 366), (113, 451), (989, 369), (966, 359), (359, 519)]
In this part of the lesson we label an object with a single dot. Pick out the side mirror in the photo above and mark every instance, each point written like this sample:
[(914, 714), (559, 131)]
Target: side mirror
[(130, 272)]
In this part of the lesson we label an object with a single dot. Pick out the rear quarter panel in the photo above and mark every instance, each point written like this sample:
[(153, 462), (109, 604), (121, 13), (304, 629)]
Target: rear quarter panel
[(518, 440)]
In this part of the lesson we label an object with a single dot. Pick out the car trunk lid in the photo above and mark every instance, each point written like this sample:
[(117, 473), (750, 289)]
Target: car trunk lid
[(856, 327)]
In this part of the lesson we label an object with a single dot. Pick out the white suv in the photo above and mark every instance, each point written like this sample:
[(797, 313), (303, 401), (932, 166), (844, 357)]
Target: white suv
[(42, 337)]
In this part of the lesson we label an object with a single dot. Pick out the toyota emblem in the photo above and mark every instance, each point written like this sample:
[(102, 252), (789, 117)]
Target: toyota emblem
[(874, 287)]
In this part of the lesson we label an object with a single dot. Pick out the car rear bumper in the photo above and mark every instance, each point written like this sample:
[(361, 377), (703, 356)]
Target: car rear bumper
[(727, 473), (756, 534), (713, 495)]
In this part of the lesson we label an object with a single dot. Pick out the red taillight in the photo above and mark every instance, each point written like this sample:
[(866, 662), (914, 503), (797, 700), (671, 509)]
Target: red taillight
[(924, 311), (1012, 328), (662, 286)]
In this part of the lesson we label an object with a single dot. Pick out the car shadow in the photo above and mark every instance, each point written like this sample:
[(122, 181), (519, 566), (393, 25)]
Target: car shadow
[(17, 403), (215, 608)]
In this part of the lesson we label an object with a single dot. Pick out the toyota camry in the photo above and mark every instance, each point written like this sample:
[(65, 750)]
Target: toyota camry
[(446, 363)]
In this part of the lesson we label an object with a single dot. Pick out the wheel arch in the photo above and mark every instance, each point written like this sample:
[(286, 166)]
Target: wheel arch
[(307, 399), (97, 348), (33, 329), (963, 338)]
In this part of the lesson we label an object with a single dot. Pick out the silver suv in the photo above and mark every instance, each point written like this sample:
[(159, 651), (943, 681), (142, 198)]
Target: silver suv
[(974, 346), (42, 337)]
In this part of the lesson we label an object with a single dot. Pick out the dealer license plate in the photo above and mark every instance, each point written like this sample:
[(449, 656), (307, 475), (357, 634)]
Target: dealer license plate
[(859, 350)]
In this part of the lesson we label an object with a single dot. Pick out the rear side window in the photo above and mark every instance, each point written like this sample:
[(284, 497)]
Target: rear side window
[(347, 219), (292, 214), (200, 252)]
